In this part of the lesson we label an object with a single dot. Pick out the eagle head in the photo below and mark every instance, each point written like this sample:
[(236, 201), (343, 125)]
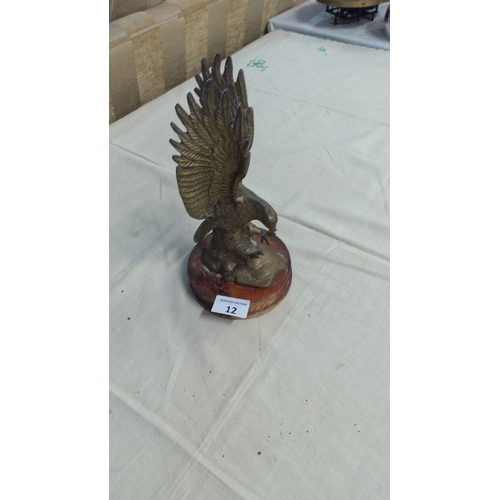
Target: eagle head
[(270, 219)]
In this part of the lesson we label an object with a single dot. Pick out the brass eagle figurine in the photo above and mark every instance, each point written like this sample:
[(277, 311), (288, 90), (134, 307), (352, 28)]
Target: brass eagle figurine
[(213, 161)]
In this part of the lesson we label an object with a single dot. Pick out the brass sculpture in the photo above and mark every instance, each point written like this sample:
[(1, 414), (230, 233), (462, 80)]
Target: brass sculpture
[(214, 159)]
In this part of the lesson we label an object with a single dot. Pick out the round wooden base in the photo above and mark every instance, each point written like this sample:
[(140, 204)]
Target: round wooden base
[(207, 285)]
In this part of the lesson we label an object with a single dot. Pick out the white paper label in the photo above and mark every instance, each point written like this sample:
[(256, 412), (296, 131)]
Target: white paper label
[(231, 306)]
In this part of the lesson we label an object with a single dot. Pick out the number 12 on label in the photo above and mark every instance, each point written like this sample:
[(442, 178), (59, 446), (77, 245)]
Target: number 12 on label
[(231, 306)]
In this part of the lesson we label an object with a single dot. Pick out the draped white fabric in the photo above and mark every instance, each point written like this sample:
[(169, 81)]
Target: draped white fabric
[(293, 404), (311, 18)]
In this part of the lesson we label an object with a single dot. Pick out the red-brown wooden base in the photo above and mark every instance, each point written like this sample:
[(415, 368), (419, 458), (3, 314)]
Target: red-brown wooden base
[(207, 285)]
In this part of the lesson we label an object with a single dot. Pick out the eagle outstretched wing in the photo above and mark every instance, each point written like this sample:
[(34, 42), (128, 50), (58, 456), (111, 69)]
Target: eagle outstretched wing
[(215, 148)]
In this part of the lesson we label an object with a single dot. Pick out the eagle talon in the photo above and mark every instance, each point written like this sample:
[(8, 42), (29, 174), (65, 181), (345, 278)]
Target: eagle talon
[(256, 254)]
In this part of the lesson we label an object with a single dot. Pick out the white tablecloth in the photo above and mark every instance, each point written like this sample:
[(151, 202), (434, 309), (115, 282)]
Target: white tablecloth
[(293, 404), (311, 18)]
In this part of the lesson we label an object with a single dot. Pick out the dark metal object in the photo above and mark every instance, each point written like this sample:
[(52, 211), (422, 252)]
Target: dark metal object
[(351, 14)]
